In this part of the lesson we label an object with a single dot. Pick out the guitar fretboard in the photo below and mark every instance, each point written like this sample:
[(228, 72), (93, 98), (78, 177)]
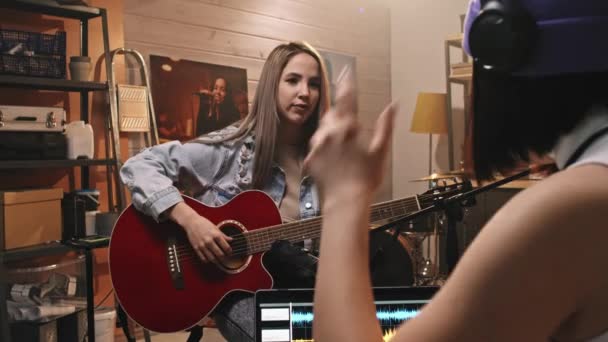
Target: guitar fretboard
[(260, 240)]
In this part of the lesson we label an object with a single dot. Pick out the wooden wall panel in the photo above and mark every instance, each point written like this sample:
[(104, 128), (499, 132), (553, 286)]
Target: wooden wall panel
[(315, 13), (198, 37), (260, 25), (241, 33)]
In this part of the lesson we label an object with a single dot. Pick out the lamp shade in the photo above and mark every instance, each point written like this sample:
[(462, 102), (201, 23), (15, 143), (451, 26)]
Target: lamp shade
[(430, 114)]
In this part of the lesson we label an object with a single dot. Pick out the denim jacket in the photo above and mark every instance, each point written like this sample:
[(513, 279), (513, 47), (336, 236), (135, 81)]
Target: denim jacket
[(211, 173)]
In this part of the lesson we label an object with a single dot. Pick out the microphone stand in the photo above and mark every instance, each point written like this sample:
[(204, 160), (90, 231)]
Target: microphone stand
[(453, 210), (454, 214)]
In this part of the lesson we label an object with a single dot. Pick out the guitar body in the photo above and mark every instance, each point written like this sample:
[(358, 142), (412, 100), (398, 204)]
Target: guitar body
[(163, 286), (165, 295)]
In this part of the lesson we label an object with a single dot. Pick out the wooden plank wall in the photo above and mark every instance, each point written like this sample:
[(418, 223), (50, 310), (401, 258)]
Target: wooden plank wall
[(242, 33)]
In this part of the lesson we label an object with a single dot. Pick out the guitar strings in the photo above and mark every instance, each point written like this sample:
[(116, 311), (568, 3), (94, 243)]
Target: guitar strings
[(247, 239), (253, 239), (252, 242), (191, 255)]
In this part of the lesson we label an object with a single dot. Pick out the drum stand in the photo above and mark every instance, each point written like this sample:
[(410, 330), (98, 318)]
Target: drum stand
[(452, 207), (426, 268), (444, 238), (422, 266), (446, 251)]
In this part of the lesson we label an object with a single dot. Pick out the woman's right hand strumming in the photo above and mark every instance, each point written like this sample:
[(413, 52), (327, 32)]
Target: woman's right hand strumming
[(209, 243)]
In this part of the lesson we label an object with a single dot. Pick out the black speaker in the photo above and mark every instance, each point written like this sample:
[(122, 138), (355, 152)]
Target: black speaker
[(73, 208), (32, 145)]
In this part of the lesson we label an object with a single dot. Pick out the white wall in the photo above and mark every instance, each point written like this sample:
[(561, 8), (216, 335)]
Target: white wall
[(418, 30)]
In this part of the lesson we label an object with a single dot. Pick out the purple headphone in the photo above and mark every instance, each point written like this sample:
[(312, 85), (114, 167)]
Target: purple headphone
[(538, 37)]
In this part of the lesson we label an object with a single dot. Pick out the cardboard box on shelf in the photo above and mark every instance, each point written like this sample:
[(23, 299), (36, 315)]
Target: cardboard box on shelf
[(30, 217)]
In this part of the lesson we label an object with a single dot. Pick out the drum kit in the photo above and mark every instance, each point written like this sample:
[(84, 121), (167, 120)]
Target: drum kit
[(436, 224), (427, 259)]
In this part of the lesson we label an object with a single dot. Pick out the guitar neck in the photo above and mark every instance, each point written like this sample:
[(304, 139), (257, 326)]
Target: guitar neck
[(261, 240)]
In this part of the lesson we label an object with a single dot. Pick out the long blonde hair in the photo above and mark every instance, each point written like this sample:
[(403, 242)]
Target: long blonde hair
[(263, 119)]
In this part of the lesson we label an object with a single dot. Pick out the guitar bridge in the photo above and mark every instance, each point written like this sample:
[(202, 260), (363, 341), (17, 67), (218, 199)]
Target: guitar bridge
[(173, 264)]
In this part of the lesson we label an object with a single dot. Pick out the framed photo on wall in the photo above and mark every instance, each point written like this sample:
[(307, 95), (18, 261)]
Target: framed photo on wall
[(194, 98)]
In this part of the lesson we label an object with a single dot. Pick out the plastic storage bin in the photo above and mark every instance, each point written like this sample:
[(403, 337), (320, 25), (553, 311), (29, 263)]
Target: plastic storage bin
[(33, 54), (105, 321), (45, 293), (15, 42)]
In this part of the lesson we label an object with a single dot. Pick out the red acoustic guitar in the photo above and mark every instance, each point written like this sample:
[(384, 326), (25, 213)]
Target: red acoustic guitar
[(163, 286)]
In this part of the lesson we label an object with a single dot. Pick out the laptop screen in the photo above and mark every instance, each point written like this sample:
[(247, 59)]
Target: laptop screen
[(287, 315)]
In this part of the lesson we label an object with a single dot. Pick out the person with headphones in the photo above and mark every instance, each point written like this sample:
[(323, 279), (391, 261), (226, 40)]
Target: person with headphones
[(537, 270)]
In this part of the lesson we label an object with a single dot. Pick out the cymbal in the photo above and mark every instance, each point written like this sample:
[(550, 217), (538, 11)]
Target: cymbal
[(436, 176)]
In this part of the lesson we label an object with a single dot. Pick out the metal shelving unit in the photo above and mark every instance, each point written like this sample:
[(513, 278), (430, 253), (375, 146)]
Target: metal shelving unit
[(60, 163), (116, 197), (39, 83), (35, 251), (51, 7)]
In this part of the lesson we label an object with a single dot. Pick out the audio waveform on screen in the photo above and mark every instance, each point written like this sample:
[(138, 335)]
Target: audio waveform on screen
[(397, 315), (301, 318), (386, 337)]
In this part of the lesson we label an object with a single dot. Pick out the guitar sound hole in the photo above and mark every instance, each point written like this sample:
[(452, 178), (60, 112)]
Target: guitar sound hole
[(239, 257)]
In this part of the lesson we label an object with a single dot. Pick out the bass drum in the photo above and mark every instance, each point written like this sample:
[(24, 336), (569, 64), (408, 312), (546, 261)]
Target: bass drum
[(390, 260)]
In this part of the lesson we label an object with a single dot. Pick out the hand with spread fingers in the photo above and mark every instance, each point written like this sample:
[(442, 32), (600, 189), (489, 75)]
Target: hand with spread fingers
[(347, 169), (340, 158)]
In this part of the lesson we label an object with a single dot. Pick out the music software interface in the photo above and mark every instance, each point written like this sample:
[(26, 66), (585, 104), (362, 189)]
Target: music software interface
[(292, 322)]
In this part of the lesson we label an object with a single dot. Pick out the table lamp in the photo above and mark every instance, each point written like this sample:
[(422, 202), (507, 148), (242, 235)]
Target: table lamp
[(430, 116)]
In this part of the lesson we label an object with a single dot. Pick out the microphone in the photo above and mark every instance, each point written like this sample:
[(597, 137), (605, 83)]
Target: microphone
[(202, 94)]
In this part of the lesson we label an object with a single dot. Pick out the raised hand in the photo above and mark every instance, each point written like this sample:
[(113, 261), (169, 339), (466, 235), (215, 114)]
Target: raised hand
[(340, 160)]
